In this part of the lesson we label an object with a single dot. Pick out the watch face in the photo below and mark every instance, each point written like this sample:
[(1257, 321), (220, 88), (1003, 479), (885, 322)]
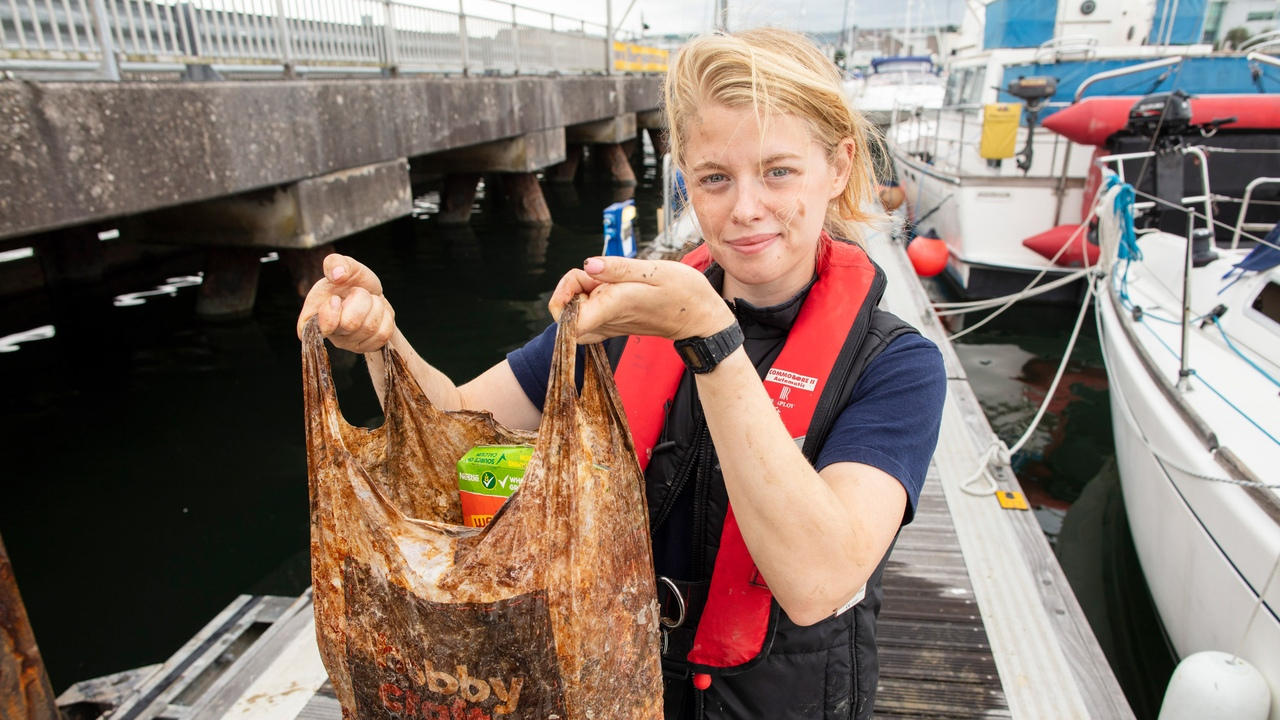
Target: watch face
[(691, 355)]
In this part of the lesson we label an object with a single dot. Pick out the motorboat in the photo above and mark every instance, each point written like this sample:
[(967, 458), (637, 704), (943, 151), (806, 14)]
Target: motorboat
[(1187, 303), (991, 172), (901, 84)]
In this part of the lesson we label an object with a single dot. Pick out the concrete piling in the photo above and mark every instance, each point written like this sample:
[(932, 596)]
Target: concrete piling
[(230, 283), (615, 158), (658, 139), (72, 255), (457, 197), (305, 267), (565, 172), (525, 196)]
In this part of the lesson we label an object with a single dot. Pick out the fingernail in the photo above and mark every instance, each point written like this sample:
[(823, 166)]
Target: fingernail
[(339, 272), (593, 265)]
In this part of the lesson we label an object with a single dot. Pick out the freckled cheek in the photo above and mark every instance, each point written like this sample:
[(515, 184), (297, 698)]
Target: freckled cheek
[(713, 213)]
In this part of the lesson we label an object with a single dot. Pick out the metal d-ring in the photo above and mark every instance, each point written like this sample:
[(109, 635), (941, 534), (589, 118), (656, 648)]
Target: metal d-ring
[(668, 622)]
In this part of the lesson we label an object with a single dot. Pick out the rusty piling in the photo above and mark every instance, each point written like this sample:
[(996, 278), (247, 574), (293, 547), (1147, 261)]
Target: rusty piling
[(25, 691)]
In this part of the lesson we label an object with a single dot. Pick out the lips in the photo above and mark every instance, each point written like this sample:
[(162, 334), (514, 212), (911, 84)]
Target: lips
[(752, 244)]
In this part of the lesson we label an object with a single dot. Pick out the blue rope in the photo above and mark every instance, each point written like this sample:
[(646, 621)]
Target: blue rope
[(1244, 357), (1128, 249), (1207, 384)]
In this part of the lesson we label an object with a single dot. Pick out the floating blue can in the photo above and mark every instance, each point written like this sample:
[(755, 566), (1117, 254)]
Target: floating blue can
[(620, 229)]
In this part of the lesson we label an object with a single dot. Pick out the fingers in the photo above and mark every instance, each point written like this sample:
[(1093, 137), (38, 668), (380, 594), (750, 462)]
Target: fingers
[(639, 297), (360, 322), (349, 305), (575, 282), (619, 269), (347, 272)]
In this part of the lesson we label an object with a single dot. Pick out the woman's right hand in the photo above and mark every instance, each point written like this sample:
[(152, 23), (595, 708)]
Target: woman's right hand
[(352, 311)]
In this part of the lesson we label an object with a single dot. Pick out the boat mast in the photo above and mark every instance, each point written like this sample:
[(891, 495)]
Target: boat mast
[(906, 32)]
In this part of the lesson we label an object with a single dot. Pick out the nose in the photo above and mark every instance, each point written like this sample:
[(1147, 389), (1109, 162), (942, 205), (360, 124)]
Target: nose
[(748, 205)]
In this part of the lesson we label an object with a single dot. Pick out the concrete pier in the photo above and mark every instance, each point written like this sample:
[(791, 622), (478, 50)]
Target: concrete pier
[(305, 214), (76, 153), (287, 165)]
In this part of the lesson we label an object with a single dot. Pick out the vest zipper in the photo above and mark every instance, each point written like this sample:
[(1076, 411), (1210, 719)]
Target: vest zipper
[(702, 487), (682, 477)]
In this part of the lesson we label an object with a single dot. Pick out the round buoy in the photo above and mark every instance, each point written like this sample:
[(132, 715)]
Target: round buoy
[(1211, 684), (891, 197), (928, 255)]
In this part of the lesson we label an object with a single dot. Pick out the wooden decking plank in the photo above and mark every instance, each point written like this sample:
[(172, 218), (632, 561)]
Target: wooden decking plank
[(924, 698), (956, 666)]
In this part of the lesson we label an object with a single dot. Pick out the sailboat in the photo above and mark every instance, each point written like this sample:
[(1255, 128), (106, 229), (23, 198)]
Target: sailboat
[(1188, 312)]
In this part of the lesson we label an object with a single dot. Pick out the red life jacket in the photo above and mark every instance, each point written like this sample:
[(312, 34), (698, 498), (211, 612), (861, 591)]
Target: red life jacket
[(735, 624)]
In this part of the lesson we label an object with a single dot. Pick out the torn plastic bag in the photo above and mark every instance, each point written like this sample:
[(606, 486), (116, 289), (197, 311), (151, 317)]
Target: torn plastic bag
[(548, 612)]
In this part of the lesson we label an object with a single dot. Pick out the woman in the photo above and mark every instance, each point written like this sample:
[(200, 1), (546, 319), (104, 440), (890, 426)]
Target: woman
[(773, 504)]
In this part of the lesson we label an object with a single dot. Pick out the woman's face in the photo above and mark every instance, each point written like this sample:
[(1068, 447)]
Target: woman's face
[(761, 195)]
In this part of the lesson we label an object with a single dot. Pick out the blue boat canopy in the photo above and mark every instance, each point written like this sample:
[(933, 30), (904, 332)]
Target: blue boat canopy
[(1188, 22), (1019, 23)]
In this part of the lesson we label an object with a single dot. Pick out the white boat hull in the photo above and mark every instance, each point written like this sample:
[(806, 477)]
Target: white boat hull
[(1205, 547)]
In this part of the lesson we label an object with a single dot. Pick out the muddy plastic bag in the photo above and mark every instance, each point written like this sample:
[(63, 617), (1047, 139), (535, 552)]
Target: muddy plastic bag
[(548, 612)]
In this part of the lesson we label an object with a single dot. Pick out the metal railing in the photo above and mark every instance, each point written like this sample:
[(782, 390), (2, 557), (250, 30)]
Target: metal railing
[(97, 39)]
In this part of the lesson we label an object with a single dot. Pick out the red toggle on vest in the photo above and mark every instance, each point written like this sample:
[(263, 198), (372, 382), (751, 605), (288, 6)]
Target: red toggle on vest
[(734, 628)]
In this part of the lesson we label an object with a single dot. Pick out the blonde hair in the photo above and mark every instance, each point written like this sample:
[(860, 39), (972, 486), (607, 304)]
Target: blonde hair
[(776, 71)]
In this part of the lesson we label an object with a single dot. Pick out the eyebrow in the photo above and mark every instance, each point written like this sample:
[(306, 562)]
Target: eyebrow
[(713, 165)]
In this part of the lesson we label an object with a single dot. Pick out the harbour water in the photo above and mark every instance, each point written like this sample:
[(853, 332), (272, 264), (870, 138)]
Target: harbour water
[(155, 464)]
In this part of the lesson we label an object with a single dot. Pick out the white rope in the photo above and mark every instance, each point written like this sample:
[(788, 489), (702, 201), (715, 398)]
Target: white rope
[(997, 451), (1093, 211), (959, 308)]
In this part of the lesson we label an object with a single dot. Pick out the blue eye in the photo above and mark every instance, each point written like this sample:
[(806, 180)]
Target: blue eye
[(778, 172), (713, 178)]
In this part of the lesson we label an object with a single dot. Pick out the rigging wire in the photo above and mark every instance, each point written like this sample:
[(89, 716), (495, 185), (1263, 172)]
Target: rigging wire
[(1117, 389)]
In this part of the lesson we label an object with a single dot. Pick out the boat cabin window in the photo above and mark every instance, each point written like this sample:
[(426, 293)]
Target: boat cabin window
[(964, 86), (1268, 301)]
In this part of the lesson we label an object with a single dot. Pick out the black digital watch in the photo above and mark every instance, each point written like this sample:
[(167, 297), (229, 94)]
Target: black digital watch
[(701, 355)]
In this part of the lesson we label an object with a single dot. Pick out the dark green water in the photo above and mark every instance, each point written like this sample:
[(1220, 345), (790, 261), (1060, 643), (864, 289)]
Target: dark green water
[(155, 465)]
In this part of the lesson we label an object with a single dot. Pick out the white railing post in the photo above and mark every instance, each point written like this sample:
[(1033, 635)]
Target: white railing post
[(282, 37), (389, 38), (515, 37), (608, 37), (555, 58), (110, 68), (462, 38)]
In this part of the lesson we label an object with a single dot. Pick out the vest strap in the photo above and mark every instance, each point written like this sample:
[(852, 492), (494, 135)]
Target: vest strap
[(740, 617)]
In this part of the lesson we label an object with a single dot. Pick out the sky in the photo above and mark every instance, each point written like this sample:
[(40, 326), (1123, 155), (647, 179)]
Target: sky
[(690, 16)]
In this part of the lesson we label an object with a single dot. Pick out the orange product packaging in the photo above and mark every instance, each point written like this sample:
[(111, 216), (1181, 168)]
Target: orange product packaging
[(487, 476)]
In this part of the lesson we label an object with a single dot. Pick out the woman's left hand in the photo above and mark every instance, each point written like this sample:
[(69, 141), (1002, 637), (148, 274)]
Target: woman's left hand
[(641, 297)]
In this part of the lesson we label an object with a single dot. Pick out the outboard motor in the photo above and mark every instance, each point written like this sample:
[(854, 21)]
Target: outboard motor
[(1035, 91), (1165, 117)]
